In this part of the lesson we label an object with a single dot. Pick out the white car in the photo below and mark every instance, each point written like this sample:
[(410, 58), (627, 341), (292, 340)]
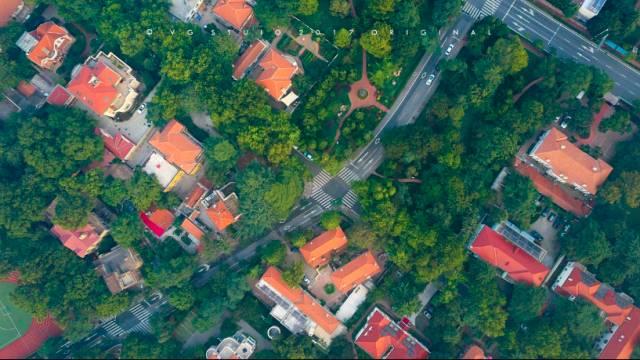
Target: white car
[(142, 107), (430, 79), (449, 49)]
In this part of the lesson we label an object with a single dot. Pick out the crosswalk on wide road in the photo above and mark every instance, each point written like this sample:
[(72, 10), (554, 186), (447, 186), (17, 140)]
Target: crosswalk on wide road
[(348, 175), (320, 180), (489, 7), (350, 199), (325, 200)]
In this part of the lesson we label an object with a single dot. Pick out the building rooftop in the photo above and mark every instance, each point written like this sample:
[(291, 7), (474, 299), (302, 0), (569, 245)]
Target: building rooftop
[(301, 300), (277, 72), (318, 251), (382, 338), (248, 58), (117, 144), (8, 8), (177, 146), (220, 215), (356, 272), (499, 252), (47, 45), (158, 221), (59, 96), (624, 338), (120, 269), (236, 13), (474, 352), (84, 240), (567, 161), (159, 167), (193, 229)]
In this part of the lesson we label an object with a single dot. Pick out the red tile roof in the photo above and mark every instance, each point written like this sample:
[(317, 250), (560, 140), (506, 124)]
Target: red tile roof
[(194, 197), (576, 281), (356, 272), (318, 251), (192, 229), (555, 192), (303, 302), (235, 12), (8, 8), (158, 221), (95, 87), (277, 72), (177, 147), (248, 58), (499, 252), (119, 144), (59, 96), (624, 339), (81, 241), (220, 215), (53, 44), (571, 163), (26, 88), (474, 352), (382, 338)]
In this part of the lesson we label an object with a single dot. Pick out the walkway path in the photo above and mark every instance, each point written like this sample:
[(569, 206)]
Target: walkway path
[(370, 98), (262, 343)]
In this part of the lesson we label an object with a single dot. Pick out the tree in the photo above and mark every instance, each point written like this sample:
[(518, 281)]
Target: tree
[(568, 7), (182, 297), (587, 243), (126, 229), (274, 253), (221, 157), (381, 9), (342, 38), (308, 7), (143, 190), (526, 303), (377, 41), (626, 188), (299, 238), (72, 211), (293, 274), (331, 220), (619, 122), (444, 10), (518, 197), (363, 237), (339, 8), (113, 305)]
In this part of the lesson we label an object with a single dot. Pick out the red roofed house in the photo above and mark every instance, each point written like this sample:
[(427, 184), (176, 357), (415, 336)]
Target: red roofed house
[(356, 272), (9, 9), (277, 70), (60, 96), (178, 147), (319, 251), (222, 213), (517, 263), (104, 84), (566, 163), (84, 240), (382, 338), (474, 352), (248, 58), (118, 144), (158, 221), (196, 195), (296, 310), (192, 229), (618, 343), (236, 14), (47, 45)]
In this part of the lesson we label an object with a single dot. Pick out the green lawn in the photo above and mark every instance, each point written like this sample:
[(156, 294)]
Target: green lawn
[(13, 321)]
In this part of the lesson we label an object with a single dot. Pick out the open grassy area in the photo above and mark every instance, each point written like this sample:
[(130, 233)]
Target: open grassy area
[(13, 321)]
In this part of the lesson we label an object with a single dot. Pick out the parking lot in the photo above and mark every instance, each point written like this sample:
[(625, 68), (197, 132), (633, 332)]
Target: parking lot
[(550, 235)]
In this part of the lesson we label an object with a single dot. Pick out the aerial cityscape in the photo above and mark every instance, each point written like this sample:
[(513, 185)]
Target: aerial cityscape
[(319, 179)]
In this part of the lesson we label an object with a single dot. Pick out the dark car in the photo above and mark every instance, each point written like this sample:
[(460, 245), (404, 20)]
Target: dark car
[(536, 235)]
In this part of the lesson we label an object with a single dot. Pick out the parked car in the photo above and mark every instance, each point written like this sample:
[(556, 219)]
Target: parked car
[(545, 212), (559, 221), (552, 216), (449, 49), (430, 79), (536, 235), (142, 107), (428, 312)]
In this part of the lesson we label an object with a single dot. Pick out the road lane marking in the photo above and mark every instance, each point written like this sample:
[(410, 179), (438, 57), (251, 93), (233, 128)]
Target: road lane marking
[(553, 36), (509, 10)]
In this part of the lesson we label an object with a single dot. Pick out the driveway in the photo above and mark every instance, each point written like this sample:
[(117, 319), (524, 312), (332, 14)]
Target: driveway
[(262, 343), (550, 235)]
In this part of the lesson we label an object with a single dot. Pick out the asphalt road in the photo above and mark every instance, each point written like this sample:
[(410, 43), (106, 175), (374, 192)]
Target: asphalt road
[(534, 24)]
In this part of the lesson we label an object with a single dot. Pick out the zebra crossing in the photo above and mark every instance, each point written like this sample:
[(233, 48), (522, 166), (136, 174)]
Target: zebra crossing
[(348, 175), (320, 180), (488, 8), (140, 312), (350, 199), (325, 200)]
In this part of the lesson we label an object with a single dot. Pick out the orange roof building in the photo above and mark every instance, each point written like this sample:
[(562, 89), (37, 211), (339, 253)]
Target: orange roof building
[(497, 251), (193, 229), (221, 216), (236, 13), (618, 343), (383, 338), (8, 9), (277, 72), (82, 241), (566, 163), (248, 58), (159, 221), (474, 352), (297, 310), (357, 271), (104, 84), (47, 45), (193, 199), (178, 147), (318, 251)]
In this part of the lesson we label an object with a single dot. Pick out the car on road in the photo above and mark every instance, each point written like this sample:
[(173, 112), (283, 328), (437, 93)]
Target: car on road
[(449, 49), (428, 313), (430, 79), (142, 107), (203, 268)]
